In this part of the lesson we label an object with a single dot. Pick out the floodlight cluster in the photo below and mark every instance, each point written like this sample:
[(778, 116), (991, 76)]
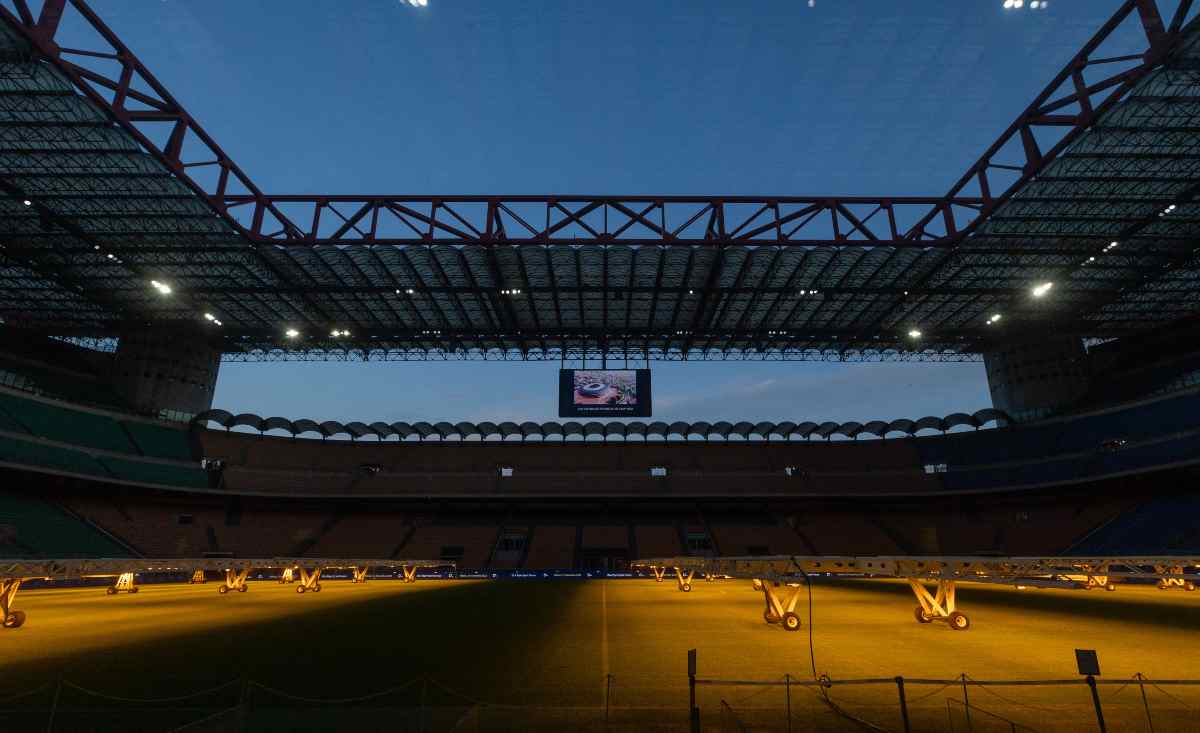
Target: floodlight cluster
[(511, 291), (162, 288), (418, 3), (336, 333), (1033, 4)]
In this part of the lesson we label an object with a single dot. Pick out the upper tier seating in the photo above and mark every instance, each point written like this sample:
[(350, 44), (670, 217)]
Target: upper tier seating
[(65, 425), (34, 426), (160, 441), (165, 474), (32, 453), (72, 386)]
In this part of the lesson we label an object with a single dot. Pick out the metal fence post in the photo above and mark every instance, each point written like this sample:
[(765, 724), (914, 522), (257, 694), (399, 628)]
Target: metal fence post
[(1091, 681), (903, 703), (1145, 702), (424, 689), (243, 704), (787, 689), (693, 711), (966, 703), (607, 695)]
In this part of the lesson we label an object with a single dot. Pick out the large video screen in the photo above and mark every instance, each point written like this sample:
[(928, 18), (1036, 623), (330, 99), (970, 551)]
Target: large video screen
[(604, 393)]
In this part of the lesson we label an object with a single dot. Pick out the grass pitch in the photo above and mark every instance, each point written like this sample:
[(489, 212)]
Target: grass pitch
[(491, 655)]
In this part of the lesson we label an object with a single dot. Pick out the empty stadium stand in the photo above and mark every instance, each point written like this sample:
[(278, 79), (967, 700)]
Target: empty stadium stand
[(85, 441), (117, 482), (31, 527)]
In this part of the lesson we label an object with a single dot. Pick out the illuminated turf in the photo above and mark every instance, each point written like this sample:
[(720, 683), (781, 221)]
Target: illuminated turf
[(553, 644)]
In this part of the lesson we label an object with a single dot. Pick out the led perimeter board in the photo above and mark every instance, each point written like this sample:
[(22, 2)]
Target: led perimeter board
[(604, 393)]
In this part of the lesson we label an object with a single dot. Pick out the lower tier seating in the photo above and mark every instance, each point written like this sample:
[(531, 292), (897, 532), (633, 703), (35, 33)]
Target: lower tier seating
[(1145, 514), (30, 527)]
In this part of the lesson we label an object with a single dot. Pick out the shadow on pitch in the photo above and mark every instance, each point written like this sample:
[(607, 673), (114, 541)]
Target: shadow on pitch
[(468, 637)]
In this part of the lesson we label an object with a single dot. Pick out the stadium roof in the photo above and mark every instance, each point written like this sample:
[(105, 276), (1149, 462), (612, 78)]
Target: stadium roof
[(108, 184), (607, 431)]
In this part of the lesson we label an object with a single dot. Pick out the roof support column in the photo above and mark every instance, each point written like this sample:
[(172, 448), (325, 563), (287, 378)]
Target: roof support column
[(166, 369), (1033, 379)]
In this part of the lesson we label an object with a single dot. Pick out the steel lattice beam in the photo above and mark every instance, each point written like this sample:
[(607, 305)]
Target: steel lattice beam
[(120, 168)]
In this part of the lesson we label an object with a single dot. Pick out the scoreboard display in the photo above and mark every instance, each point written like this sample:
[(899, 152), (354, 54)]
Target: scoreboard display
[(604, 393)]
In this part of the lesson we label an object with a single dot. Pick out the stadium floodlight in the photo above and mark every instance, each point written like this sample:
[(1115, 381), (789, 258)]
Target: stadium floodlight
[(1040, 290), (209, 317), (994, 318), (408, 291), (291, 333), (914, 334), (162, 288), (27, 202)]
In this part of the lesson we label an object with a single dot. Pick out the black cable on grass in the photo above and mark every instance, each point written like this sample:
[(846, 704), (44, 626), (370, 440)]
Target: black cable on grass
[(823, 680), (812, 655)]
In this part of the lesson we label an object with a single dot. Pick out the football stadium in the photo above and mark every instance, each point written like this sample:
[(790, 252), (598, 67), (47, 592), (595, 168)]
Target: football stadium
[(169, 562)]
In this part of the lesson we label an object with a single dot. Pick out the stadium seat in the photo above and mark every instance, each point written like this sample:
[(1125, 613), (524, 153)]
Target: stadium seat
[(550, 547), (156, 473), (30, 527), (159, 441), (33, 453), (65, 425)]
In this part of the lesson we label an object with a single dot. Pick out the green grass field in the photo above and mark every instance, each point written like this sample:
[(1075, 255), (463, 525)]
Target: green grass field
[(492, 655)]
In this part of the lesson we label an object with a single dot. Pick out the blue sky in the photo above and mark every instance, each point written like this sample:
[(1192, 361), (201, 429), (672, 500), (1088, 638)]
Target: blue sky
[(869, 97)]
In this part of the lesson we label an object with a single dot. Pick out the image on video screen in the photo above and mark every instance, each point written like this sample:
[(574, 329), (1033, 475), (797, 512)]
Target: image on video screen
[(605, 388)]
